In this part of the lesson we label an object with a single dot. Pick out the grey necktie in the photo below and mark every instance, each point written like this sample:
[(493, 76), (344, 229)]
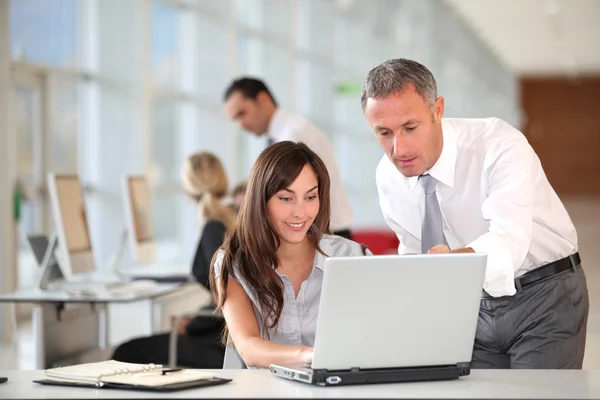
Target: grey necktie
[(432, 232)]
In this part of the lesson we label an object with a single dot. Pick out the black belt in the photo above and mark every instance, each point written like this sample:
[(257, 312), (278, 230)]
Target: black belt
[(545, 271)]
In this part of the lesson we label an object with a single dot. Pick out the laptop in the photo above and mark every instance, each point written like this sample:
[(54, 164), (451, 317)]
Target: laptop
[(394, 318), (38, 243)]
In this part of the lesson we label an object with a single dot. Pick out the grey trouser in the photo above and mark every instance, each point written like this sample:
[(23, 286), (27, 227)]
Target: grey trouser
[(543, 326)]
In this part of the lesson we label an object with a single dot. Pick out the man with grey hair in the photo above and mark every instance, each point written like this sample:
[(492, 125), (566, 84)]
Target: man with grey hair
[(476, 185)]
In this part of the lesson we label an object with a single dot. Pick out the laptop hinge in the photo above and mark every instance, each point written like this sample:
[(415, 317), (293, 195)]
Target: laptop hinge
[(464, 368), (355, 369)]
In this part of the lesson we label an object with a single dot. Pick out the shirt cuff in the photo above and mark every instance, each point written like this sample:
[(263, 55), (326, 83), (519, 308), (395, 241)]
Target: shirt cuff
[(403, 250), (499, 272)]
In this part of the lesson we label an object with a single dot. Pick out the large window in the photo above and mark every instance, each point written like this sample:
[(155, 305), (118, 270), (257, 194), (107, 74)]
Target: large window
[(45, 32), (169, 88), (64, 125), (44, 48), (165, 45)]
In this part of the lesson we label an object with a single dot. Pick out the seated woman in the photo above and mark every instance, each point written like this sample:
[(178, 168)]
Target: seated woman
[(204, 180), (267, 276)]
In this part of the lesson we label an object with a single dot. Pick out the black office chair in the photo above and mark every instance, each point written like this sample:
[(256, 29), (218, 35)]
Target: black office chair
[(207, 312)]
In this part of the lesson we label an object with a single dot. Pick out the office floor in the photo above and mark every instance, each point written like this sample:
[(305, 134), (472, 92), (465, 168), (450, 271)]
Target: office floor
[(585, 213)]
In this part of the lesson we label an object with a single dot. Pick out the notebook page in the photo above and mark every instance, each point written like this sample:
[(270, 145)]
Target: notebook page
[(92, 372), (157, 379)]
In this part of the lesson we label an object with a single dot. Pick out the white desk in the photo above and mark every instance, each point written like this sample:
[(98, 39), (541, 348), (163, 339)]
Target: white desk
[(153, 316), (160, 272), (74, 328), (481, 384), (58, 296)]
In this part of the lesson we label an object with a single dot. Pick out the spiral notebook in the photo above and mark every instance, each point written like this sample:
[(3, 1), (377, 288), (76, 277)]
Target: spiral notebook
[(120, 375)]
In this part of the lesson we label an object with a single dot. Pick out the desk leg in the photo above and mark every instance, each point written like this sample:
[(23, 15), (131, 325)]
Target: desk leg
[(37, 322), (103, 325), (64, 337)]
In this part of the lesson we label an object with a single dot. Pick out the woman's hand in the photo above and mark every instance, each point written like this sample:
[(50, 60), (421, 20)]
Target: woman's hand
[(305, 356)]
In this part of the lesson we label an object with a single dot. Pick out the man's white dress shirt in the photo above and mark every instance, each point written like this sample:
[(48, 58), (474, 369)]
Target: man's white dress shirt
[(494, 197), (288, 126)]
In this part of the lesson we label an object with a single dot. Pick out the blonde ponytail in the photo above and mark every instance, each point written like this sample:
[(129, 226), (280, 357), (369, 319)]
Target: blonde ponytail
[(210, 207), (204, 178)]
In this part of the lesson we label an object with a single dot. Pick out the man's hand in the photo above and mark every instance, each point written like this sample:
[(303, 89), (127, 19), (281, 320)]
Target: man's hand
[(439, 249), (443, 249)]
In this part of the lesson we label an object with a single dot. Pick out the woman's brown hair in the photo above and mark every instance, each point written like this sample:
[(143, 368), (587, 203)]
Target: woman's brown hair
[(252, 244)]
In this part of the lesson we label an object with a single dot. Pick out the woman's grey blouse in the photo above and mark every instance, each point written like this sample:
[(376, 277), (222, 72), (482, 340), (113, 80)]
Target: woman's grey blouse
[(298, 322)]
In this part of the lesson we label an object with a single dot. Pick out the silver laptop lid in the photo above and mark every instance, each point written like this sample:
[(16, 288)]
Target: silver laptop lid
[(398, 311)]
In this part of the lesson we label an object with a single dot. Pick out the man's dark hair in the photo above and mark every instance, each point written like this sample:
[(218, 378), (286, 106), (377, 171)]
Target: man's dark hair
[(249, 88)]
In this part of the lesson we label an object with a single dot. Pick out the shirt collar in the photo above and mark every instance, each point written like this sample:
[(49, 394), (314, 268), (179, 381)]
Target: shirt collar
[(318, 262), (276, 124), (443, 169)]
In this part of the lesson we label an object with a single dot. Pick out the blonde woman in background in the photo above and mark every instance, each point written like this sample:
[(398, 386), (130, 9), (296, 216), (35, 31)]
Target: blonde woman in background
[(204, 180)]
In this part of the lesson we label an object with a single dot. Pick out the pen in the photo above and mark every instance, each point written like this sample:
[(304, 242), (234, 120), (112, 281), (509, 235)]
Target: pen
[(171, 370)]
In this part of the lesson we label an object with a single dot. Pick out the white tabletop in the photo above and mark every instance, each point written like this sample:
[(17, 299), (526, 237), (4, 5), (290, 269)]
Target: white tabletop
[(158, 271), (36, 295), (482, 384)]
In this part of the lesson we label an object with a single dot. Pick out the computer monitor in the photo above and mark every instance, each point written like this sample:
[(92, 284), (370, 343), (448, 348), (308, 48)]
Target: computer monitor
[(70, 222), (138, 216)]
